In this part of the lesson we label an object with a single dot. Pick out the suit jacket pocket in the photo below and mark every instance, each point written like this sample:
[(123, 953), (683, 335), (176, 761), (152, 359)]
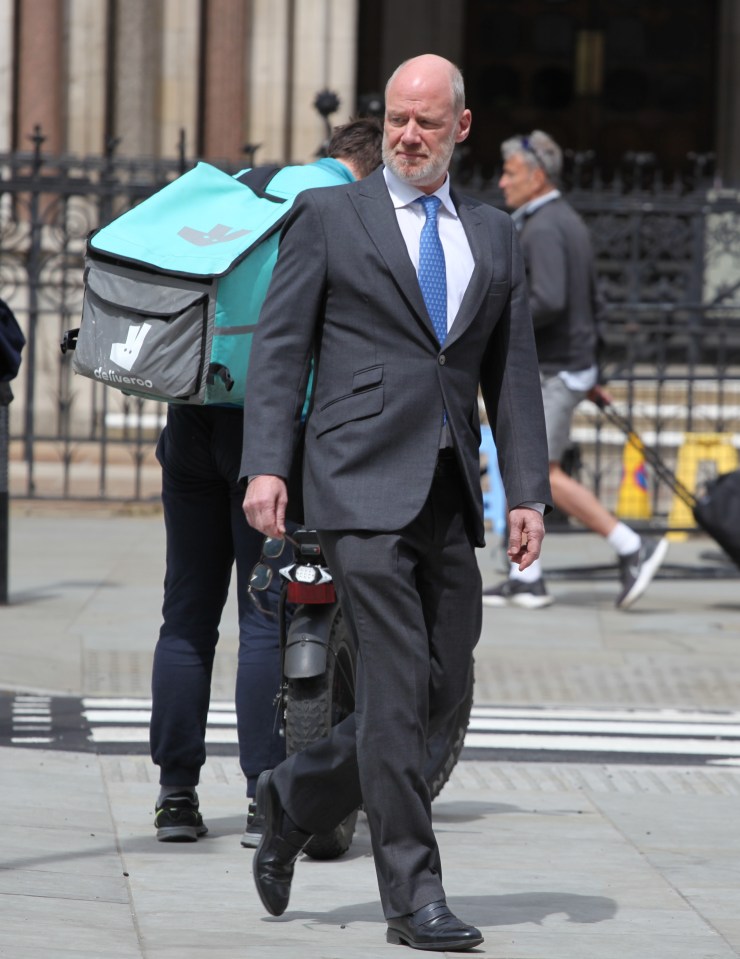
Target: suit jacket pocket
[(364, 379), (354, 406)]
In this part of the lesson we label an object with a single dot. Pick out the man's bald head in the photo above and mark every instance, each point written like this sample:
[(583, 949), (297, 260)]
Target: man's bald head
[(425, 117)]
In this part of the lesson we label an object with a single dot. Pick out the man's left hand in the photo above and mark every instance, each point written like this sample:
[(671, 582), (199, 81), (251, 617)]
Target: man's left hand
[(526, 532), (600, 396), (265, 503)]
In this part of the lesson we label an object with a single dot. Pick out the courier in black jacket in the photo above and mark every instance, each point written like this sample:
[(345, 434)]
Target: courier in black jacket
[(207, 535)]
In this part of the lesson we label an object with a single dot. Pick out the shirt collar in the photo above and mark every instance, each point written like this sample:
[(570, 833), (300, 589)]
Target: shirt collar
[(533, 205), (403, 194)]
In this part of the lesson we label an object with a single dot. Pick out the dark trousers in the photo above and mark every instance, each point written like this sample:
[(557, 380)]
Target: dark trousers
[(200, 453), (413, 601)]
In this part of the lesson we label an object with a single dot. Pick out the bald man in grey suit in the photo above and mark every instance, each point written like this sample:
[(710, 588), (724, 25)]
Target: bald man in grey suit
[(391, 475)]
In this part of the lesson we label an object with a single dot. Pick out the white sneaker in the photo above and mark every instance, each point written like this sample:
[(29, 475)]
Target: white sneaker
[(515, 592)]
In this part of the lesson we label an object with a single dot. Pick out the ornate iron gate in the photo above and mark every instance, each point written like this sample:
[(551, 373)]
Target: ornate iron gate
[(667, 256)]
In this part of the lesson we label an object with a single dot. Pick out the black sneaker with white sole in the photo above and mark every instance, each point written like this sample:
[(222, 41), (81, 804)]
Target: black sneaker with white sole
[(636, 571), (178, 819), (515, 592), (254, 828)]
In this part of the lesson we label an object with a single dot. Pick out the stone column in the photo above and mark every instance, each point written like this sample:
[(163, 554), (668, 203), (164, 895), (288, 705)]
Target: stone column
[(6, 74), (728, 99), (179, 76), (298, 48), (226, 70), (40, 73), (722, 228), (268, 77), (86, 30), (324, 57), (137, 71)]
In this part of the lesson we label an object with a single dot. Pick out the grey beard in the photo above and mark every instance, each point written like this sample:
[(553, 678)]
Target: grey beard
[(430, 171)]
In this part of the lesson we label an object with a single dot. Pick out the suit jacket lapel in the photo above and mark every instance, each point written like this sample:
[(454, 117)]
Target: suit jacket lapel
[(478, 239), (374, 207)]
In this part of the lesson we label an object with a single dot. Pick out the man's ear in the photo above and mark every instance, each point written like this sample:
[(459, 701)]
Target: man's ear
[(540, 178), (463, 126)]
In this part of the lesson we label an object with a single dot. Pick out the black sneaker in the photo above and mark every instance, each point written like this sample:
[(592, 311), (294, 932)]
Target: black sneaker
[(178, 818), (515, 592), (636, 571), (254, 828)]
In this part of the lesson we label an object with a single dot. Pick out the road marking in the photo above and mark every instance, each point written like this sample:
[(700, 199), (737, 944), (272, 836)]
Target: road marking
[(510, 732), (31, 715), (599, 744)]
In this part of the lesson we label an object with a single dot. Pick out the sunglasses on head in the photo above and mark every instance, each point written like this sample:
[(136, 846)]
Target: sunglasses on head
[(528, 148)]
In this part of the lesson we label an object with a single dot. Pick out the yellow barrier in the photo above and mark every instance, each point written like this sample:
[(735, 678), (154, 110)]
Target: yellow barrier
[(633, 501), (698, 448)]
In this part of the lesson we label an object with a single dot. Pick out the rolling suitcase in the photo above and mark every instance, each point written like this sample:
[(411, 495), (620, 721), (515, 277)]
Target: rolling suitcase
[(717, 507)]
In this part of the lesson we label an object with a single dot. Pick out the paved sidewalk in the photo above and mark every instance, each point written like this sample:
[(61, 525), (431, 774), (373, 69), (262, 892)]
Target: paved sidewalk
[(551, 859)]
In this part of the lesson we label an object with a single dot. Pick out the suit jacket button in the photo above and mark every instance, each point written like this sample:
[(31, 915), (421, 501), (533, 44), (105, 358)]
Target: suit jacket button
[(442, 359)]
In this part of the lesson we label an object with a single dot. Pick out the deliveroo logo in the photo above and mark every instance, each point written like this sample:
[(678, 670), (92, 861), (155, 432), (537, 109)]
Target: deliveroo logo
[(126, 354), (217, 234)]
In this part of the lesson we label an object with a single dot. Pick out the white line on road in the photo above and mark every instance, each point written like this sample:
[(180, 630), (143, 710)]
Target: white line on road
[(660, 731)]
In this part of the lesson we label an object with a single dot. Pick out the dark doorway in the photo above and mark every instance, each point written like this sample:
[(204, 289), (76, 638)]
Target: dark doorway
[(613, 76)]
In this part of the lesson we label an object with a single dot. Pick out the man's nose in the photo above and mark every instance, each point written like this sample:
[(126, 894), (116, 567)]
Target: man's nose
[(410, 132)]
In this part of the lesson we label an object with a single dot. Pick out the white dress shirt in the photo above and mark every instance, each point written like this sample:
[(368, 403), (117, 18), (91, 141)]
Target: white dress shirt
[(459, 261)]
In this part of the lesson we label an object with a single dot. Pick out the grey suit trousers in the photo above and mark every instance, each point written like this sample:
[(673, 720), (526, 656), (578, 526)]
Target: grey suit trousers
[(413, 600)]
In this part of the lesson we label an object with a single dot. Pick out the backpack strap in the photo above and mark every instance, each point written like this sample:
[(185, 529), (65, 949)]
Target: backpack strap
[(257, 179)]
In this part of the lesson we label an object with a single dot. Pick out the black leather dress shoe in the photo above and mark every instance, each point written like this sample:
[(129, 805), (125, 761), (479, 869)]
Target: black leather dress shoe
[(280, 846), (433, 927)]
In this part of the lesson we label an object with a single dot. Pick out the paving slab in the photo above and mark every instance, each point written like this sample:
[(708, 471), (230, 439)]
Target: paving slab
[(552, 859), (545, 859)]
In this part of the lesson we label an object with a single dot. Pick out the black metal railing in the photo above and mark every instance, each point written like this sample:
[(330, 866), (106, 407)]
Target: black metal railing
[(69, 439), (666, 255)]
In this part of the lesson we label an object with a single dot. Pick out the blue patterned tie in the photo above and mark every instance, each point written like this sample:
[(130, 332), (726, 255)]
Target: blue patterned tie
[(432, 275)]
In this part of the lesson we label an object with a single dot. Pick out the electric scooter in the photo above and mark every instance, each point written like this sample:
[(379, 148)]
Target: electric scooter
[(318, 668)]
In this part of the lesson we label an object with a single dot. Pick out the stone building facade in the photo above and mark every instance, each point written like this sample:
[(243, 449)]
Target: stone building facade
[(226, 72), (244, 73), (228, 79)]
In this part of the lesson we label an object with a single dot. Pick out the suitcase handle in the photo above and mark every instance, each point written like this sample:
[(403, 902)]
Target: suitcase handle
[(660, 468)]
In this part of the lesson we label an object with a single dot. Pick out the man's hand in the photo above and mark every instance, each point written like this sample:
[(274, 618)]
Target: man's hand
[(600, 396), (526, 532), (265, 503)]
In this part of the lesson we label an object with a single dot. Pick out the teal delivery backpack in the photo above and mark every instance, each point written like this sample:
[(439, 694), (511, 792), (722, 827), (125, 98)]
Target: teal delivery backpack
[(173, 287)]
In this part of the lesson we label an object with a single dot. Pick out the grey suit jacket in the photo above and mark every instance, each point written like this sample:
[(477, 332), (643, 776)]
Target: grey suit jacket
[(344, 294)]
